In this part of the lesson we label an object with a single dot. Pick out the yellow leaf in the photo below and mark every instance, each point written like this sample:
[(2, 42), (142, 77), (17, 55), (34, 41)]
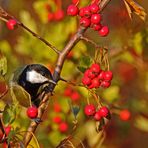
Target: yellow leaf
[(133, 6)]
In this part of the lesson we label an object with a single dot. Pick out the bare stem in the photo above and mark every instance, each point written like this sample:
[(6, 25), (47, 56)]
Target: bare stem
[(4, 16), (90, 41)]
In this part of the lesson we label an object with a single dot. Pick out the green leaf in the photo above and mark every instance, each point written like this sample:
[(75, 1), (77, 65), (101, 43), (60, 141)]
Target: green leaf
[(28, 21), (9, 114), (111, 94), (75, 110), (56, 135), (126, 56), (39, 7), (3, 65), (85, 61), (137, 43), (21, 95), (13, 133), (141, 123), (101, 125), (81, 69)]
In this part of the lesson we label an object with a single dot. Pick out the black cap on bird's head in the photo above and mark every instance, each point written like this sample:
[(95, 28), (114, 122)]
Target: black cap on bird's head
[(36, 73), (32, 77)]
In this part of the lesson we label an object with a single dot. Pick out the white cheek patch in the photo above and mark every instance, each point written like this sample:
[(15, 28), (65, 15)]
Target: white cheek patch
[(34, 77)]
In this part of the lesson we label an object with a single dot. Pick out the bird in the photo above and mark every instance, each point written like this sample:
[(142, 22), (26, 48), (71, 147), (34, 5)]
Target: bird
[(31, 77)]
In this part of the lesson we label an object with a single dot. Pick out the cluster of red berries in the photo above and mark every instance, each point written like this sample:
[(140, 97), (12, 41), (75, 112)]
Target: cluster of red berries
[(57, 15), (62, 125), (32, 112), (90, 110), (94, 77), (90, 17), (73, 94), (11, 24)]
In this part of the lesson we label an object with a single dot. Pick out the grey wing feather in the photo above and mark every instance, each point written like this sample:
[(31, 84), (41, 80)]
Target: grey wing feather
[(15, 76)]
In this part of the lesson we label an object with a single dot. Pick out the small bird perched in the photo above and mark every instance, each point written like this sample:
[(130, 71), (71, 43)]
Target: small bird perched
[(31, 78)]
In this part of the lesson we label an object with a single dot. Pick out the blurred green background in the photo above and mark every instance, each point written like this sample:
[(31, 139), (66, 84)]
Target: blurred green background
[(128, 54)]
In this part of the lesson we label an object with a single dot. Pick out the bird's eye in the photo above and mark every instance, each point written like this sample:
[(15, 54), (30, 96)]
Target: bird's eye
[(43, 74)]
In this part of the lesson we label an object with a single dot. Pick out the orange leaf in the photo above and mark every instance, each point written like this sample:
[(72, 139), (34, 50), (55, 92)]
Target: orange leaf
[(133, 6)]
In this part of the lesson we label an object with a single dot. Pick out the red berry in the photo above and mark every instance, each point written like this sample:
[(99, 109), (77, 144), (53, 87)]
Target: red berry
[(95, 68), (1, 134), (75, 96), (68, 91), (86, 80), (105, 84), (63, 127), (7, 129), (70, 55), (85, 22), (72, 10), (104, 112), (96, 27), (95, 83), (11, 23), (101, 75), (86, 73), (59, 15), (90, 110), (90, 86), (57, 119), (32, 112), (104, 31), (97, 116), (57, 107), (108, 75), (91, 75), (95, 18), (50, 16), (81, 12), (125, 115), (94, 8), (5, 145), (85, 12)]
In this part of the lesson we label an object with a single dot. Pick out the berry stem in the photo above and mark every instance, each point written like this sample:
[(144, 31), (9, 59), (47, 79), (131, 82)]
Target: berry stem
[(97, 51), (77, 3), (59, 4), (88, 102), (108, 67), (3, 19), (90, 41), (5, 92)]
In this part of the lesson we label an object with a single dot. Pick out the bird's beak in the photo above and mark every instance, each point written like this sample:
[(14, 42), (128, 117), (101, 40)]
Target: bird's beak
[(52, 81)]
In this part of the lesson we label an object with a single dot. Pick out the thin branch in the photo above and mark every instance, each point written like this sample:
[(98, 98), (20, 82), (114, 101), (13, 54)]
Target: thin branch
[(4, 93), (4, 16), (104, 3), (40, 38), (90, 41)]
